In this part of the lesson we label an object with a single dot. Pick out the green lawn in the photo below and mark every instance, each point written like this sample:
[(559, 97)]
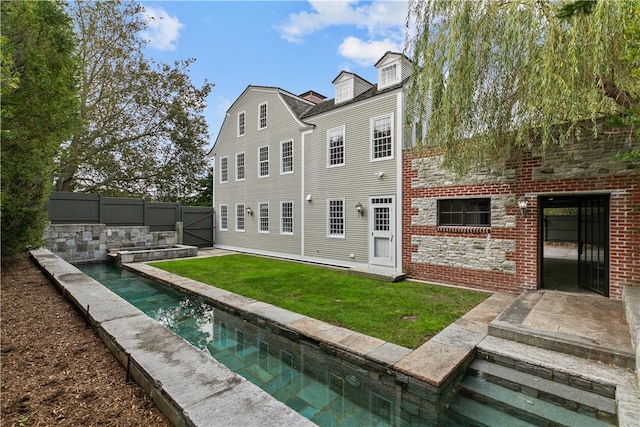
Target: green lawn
[(405, 313)]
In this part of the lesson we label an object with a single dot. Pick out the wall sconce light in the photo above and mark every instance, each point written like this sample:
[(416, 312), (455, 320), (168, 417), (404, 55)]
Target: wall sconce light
[(309, 198), (522, 204), (359, 209), (379, 174), (249, 211)]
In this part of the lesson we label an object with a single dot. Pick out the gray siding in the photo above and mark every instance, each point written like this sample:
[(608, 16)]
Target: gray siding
[(254, 189), (355, 181)]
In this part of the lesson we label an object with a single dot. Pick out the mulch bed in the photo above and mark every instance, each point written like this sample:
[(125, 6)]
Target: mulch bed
[(54, 369)]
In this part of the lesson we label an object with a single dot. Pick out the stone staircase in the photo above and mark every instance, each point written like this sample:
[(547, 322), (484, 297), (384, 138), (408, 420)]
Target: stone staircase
[(526, 377)]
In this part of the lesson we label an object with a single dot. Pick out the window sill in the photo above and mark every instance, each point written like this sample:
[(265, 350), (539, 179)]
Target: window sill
[(463, 229)]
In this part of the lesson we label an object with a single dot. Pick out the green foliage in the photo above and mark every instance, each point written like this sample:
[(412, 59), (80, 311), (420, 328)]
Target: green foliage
[(39, 111), (203, 193), (143, 133), (497, 77), (405, 313)]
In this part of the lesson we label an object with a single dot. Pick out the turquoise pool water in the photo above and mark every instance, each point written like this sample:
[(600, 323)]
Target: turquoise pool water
[(324, 389)]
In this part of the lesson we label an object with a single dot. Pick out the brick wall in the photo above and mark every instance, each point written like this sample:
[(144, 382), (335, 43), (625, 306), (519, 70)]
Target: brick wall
[(504, 256)]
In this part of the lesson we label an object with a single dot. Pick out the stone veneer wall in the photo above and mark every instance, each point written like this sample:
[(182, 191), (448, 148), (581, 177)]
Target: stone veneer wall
[(504, 256), (92, 242)]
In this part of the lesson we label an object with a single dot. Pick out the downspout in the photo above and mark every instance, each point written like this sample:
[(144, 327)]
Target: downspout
[(399, 158)]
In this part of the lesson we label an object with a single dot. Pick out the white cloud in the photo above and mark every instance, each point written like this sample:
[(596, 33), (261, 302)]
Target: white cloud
[(366, 53), (162, 30), (383, 21)]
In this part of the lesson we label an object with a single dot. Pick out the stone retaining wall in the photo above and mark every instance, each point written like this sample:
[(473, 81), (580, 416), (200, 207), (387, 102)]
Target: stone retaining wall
[(92, 242)]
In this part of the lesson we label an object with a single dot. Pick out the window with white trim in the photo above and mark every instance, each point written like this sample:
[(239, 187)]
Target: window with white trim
[(263, 161), (389, 75), (241, 123), (224, 169), (286, 157), (262, 116), (263, 217), (239, 216), (382, 137), (286, 217), (344, 91), (224, 218), (335, 147), (335, 218), (240, 166)]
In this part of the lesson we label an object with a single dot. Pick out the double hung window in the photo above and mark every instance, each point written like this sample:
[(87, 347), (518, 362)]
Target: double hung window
[(335, 147), (335, 218), (263, 221), (241, 123), (224, 169), (286, 217), (239, 216), (224, 217), (382, 137), (262, 116), (286, 157), (239, 166), (263, 161)]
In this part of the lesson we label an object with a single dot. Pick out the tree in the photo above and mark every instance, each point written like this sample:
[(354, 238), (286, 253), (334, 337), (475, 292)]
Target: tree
[(504, 75), (143, 131), (39, 111)]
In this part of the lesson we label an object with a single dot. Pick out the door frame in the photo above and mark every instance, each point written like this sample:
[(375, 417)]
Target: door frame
[(386, 201), (581, 202)]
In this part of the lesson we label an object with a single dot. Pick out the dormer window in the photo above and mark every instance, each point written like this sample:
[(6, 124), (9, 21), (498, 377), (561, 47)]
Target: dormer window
[(344, 91), (389, 75)]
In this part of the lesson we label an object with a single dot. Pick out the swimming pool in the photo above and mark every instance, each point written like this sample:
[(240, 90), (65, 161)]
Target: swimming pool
[(327, 390)]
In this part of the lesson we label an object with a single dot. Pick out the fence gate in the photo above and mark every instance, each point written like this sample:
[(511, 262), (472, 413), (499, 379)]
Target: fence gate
[(197, 222)]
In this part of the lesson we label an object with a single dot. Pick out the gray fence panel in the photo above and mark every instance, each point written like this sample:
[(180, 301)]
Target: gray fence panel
[(121, 211), (73, 208), (198, 225), (161, 216)]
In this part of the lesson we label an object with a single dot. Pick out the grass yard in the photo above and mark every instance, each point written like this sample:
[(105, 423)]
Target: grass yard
[(405, 313)]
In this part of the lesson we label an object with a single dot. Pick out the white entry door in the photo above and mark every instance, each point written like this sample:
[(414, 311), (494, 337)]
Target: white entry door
[(382, 229)]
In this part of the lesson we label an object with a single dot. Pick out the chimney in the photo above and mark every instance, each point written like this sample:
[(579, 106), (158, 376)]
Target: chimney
[(313, 96)]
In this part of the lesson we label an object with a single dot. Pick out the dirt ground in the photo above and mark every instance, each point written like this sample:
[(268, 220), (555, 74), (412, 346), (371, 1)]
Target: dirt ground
[(55, 371)]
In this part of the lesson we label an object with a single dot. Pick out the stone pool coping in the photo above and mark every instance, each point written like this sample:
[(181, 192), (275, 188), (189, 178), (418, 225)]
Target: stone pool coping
[(193, 389)]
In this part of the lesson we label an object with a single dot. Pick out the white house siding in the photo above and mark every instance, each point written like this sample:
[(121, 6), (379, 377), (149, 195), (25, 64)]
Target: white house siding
[(355, 182), (272, 189)]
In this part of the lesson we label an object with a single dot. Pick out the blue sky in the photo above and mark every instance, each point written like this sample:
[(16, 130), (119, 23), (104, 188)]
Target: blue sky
[(294, 45)]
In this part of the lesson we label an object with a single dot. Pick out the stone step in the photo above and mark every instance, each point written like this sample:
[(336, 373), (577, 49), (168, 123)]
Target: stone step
[(571, 398), (469, 413), (592, 376), (524, 407)]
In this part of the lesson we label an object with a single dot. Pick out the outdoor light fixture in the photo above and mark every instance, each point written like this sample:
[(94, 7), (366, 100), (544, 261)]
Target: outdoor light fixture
[(522, 204), (359, 209), (379, 174), (309, 198), (249, 211)]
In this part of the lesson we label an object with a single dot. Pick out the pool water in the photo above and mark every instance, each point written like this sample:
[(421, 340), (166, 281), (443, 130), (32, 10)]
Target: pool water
[(327, 392)]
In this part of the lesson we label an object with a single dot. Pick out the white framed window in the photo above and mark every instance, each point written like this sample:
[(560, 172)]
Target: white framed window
[(389, 75), (240, 175), (262, 116), (224, 169), (335, 147), (242, 116), (286, 217), (263, 161), (223, 225), (344, 91), (382, 137), (286, 157), (239, 216), (263, 217), (335, 218)]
